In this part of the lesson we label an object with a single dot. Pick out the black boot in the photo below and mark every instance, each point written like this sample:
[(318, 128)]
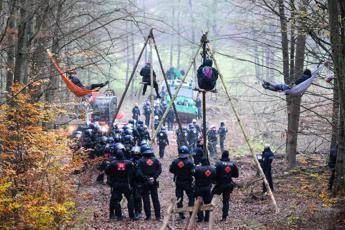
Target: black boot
[(112, 215)]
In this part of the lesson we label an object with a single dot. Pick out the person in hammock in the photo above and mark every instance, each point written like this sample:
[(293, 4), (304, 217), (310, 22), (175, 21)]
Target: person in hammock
[(282, 86), (145, 72), (71, 74)]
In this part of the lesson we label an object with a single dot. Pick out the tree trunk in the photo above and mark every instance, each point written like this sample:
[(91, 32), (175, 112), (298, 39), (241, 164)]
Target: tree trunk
[(53, 87), (172, 41), (127, 54), (22, 42), (133, 56), (11, 46), (294, 102), (336, 10), (179, 37), (335, 115), (285, 41)]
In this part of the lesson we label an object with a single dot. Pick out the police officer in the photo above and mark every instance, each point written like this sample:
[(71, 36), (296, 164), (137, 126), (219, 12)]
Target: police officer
[(266, 160), (179, 140), (225, 170), (136, 112), (107, 157), (149, 169), (156, 122), (128, 143), (183, 170), (193, 135), (331, 164), (163, 141), (137, 184), (100, 146), (145, 135), (212, 141), (198, 153), (119, 174), (204, 177), (157, 111), (147, 112), (196, 125), (222, 131), (88, 140), (171, 119)]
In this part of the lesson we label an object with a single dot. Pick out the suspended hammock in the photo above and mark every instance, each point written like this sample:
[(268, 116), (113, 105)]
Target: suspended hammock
[(76, 90), (297, 89)]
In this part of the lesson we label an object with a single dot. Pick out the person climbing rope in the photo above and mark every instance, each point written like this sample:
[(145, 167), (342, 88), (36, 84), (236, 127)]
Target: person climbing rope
[(145, 72), (71, 74), (283, 87)]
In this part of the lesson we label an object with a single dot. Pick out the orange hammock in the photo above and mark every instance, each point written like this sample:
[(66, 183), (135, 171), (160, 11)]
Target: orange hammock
[(78, 91)]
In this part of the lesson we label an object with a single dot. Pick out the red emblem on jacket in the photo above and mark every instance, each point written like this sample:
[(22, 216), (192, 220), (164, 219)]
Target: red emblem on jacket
[(180, 164), (149, 162), (121, 166), (227, 169), (208, 173)]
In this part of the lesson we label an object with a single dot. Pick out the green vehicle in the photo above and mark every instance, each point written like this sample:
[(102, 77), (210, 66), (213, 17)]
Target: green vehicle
[(184, 102)]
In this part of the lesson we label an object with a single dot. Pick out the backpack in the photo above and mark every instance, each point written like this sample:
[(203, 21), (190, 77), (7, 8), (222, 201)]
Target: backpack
[(207, 77)]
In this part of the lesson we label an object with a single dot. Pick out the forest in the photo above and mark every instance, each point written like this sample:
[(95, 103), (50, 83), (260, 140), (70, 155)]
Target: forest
[(182, 114)]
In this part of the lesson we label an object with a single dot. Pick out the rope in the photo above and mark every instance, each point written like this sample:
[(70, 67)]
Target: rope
[(245, 135), (168, 89)]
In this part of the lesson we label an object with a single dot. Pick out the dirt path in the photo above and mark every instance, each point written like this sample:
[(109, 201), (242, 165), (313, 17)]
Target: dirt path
[(300, 194)]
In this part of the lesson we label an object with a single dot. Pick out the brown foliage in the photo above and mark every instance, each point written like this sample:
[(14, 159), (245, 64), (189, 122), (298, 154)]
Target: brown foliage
[(34, 190)]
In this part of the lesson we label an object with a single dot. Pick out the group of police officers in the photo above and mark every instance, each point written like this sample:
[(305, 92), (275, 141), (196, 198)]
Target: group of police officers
[(132, 169)]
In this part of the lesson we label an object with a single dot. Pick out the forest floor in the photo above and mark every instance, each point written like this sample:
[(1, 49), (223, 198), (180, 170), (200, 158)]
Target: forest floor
[(301, 195)]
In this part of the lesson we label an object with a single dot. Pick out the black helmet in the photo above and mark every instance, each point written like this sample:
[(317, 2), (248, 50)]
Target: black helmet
[(88, 132), (136, 150), (128, 132), (148, 152), (183, 150), (163, 129), (144, 148), (128, 139), (119, 146), (110, 140), (92, 126), (143, 142), (104, 139), (140, 122), (117, 138)]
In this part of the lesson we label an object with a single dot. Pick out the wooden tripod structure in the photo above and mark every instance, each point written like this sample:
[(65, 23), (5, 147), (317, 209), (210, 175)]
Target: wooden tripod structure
[(150, 38)]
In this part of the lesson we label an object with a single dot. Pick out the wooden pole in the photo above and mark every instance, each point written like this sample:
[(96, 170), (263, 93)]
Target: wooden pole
[(169, 214), (194, 213), (151, 82), (168, 89), (246, 138), (204, 42), (211, 220), (128, 83)]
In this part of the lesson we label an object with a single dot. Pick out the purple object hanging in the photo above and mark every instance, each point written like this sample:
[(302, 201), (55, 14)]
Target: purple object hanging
[(207, 71)]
